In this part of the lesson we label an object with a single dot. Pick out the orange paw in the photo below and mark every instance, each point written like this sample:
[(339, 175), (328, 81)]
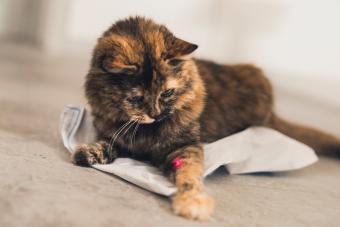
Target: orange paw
[(193, 204)]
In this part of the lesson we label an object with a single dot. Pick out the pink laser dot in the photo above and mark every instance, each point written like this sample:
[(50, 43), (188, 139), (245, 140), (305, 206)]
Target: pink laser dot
[(177, 163)]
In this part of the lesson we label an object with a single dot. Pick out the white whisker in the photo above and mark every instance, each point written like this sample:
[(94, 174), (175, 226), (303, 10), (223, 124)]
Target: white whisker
[(123, 130), (135, 131), (117, 132)]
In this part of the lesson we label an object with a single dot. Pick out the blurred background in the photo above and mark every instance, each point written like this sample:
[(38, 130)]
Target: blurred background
[(295, 42)]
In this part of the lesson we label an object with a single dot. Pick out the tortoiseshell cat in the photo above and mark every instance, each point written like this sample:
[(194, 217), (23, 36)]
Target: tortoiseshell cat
[(151, 102)]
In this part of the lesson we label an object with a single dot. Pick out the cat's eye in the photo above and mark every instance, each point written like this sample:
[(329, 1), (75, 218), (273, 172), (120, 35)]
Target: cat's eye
[(167, 93), (175, 62), (136, 100)]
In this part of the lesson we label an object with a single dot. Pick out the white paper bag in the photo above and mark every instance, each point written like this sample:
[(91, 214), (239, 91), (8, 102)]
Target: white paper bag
[(256, 149)]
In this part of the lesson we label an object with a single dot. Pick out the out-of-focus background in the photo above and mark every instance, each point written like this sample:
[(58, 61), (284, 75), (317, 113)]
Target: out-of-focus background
[(45, 47), (295, 42)]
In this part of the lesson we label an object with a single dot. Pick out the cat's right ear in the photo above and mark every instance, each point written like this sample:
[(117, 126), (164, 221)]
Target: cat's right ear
[(178, 48)]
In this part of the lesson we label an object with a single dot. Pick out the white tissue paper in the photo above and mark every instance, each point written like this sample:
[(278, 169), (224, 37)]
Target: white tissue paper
[(256, 149)]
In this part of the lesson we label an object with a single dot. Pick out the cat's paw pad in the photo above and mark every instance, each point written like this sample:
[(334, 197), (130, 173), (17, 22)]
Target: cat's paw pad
[(89, 154), (193, 205)]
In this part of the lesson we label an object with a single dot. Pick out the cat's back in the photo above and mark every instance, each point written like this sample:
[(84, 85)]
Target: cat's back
[(219, 76), (238, 96)]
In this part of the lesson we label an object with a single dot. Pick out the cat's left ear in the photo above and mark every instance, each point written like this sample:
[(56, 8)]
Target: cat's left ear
[(179, 48)]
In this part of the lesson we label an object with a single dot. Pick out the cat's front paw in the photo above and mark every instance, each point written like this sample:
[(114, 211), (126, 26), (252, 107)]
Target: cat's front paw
[(90, 154), (193, 204)]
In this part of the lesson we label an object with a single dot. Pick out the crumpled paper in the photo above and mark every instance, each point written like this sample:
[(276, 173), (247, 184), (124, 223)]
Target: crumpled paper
[(256, 149)]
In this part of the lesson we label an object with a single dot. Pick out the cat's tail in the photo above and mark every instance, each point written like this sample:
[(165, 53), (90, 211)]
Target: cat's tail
[(323, 143)]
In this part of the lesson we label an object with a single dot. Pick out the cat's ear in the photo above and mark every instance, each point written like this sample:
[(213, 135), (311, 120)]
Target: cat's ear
[(116, 66), (179, 47)]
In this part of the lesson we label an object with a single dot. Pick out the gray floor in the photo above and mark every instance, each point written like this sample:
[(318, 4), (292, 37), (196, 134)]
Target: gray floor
[(40, 187)]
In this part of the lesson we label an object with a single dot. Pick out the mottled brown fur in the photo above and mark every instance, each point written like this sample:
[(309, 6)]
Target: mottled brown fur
[(151, 102)]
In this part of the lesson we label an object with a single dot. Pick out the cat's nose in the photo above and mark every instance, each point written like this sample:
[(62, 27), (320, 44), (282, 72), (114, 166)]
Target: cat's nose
[(147, 119)]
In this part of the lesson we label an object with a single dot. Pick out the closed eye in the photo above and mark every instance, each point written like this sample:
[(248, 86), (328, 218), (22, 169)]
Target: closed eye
[(175, 62), (167, 93)]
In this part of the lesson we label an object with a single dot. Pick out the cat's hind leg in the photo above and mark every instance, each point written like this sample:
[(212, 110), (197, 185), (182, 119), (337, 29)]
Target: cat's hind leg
[(95, 153)]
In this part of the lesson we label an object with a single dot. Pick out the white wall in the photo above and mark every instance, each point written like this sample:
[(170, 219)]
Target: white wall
[(193, 20), (302, 37)]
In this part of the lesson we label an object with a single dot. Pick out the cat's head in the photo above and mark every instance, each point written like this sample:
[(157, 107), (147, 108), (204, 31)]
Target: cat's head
[(141, 71)]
